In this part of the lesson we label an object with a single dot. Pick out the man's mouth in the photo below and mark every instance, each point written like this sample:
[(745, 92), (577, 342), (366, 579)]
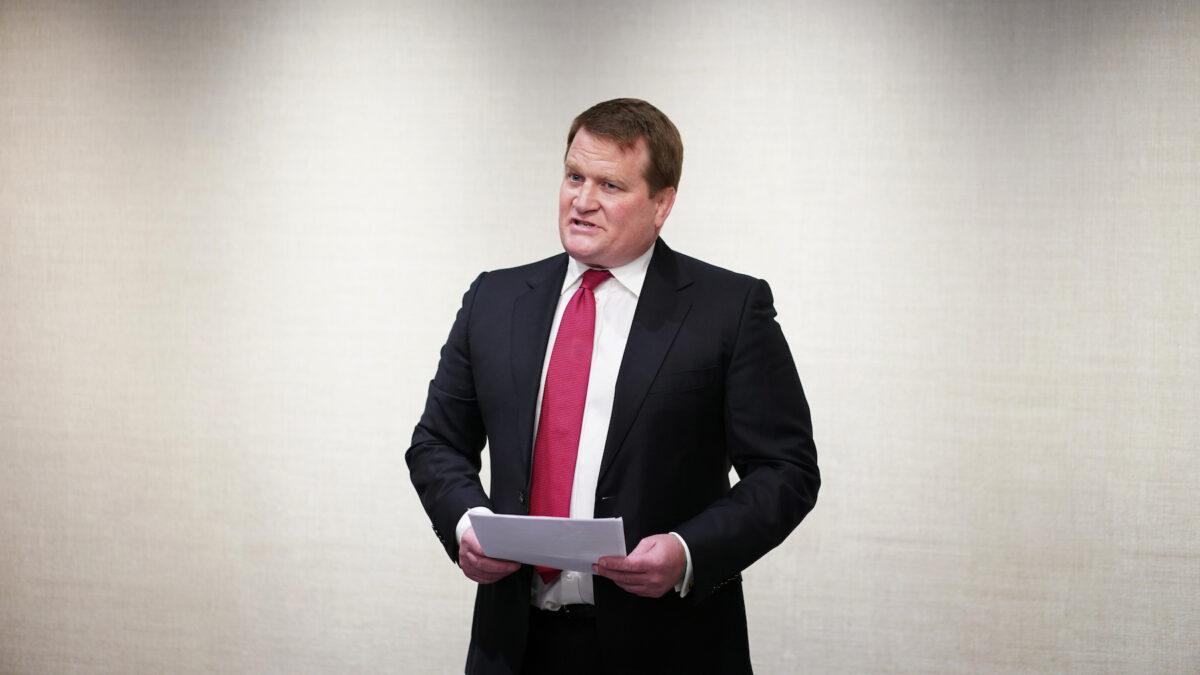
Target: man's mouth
[(582, 223)]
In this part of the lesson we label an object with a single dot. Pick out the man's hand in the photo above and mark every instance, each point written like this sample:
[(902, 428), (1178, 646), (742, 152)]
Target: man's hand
[(477, 566), (653, 568)]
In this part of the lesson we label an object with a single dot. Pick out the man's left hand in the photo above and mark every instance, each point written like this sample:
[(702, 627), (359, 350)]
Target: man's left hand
[(650, 570)]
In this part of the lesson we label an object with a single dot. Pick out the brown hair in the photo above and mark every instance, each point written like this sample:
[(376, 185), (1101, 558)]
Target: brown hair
[(624, 121)]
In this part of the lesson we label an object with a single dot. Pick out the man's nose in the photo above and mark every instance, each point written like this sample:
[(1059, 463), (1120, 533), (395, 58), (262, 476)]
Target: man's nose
[(585, 198)]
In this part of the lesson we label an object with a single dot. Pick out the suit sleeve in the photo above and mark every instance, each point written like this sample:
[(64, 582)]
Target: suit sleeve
[(444, 459), (768, 437)]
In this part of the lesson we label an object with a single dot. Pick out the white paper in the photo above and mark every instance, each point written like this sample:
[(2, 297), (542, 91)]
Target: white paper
[(573, 544)]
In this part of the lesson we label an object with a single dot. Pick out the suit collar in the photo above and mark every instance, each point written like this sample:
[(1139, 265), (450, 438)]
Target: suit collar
[(533, 314), (631, 275), (662, 306)]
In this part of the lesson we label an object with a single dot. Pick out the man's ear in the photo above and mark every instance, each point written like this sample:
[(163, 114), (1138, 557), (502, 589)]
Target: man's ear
[(663, 201)]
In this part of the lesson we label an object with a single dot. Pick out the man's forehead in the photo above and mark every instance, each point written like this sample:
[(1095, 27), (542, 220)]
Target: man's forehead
[(593, 147), (586, 137)]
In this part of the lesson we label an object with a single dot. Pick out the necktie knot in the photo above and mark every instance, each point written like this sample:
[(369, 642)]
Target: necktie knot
[(593, 278)]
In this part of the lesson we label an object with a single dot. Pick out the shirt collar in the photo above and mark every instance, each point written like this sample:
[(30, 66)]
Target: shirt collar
[(631, 275)]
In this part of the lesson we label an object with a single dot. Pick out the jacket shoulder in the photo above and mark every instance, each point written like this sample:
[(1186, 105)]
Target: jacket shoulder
[(713, 282), (697, 267), (529, 273), (496, 284)]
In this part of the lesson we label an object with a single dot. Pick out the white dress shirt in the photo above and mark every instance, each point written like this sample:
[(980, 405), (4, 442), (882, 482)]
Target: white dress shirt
[(616, 301)]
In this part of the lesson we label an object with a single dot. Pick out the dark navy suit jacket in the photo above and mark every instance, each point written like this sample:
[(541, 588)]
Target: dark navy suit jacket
[(706, 382)]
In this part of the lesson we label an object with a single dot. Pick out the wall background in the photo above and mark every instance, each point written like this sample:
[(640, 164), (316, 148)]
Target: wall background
[(233, 238)]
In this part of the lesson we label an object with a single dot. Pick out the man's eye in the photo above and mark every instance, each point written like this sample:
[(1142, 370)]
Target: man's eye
[(574, 177), (612, 186)]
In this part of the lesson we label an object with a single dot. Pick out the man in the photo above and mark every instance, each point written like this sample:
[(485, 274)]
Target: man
[(617, 379)]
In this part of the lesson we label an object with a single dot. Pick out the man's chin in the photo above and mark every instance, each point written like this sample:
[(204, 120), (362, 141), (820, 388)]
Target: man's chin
[(583, 251)]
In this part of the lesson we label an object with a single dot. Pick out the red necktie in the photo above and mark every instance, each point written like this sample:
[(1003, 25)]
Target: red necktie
[(563, 398)]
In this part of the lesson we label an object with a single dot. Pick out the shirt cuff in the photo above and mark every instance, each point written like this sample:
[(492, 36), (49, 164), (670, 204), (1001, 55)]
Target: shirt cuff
[(685, 584), (464, 523)]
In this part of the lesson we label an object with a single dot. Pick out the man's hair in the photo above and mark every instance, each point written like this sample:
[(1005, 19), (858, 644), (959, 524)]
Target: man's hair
[(624, 121)]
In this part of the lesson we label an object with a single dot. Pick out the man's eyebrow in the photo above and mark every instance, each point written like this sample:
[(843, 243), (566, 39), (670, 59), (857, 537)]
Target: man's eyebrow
[(570, 167)]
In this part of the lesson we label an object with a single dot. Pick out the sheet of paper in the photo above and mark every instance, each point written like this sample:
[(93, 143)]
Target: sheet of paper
[(562, 543)]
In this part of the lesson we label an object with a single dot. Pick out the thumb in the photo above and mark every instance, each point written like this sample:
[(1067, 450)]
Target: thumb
[(644, 546), (470, 542)]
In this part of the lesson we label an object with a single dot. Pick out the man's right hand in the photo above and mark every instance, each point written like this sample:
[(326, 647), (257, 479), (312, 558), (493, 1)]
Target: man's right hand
[(477, 566)]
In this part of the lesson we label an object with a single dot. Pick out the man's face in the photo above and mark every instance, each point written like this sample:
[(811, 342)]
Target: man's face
[(606, 215)]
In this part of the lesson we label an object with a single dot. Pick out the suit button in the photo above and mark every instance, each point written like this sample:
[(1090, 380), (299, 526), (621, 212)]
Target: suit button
[(521, 497)]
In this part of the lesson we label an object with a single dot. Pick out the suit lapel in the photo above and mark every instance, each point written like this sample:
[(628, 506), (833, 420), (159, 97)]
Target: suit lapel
[(533, 312), (662, 306)]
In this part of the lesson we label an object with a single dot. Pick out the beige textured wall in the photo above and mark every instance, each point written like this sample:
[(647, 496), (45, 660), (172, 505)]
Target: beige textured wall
[(232, 238)]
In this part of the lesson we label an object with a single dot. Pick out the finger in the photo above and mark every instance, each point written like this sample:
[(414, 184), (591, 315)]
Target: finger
[(469, 570), (470, 548), (646, 587), (643, 590), (487, 577), (485, 564), (482, 564), (644, 546), (474, 566), (472, 554), (622, 564), (623, 578), (639, 559), (489, 565), (470, 543), (484, 576), (617, 575), (651, 585), (632, 586), (494, 566), (469, 565)]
